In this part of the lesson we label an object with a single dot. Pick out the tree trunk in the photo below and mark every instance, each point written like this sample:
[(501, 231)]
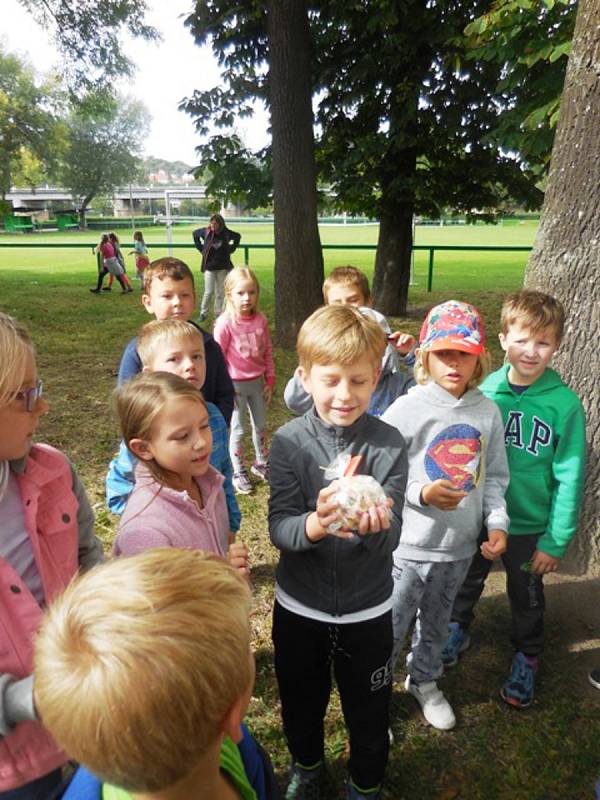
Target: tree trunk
[(566, 257), (298, 255), (392, 260)]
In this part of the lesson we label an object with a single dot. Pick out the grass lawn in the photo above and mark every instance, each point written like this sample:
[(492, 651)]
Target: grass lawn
[(548, 752)]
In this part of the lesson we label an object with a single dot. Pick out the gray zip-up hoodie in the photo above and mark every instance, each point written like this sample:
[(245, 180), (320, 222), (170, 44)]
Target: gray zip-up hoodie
[(337, 576), (459, 440)]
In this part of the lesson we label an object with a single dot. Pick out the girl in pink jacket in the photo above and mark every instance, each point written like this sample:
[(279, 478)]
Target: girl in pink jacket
[(243, 334), (178, 500), (46, 535)]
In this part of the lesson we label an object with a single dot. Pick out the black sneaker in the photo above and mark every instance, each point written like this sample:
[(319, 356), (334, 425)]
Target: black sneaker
[(305, 783), (107, 288), (95, 291)]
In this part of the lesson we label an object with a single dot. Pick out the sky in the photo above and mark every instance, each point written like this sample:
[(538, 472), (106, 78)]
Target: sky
[(167, 72)]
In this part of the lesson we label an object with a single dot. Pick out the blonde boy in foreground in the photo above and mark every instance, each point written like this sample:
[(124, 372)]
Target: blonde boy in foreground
[(544, 434), (349, 286), (143, 672), (333, 593)]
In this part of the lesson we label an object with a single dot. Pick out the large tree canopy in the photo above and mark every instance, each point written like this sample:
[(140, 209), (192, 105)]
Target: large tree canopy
[(528, 41), (28, 122), (88, 35), (402, 119), (104, 142)]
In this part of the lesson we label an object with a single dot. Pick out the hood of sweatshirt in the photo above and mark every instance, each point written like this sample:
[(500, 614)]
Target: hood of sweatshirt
[(436, 395), (497, 382)]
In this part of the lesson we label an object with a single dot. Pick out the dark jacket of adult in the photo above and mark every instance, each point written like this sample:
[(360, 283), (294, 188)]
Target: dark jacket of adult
[(216, 248)]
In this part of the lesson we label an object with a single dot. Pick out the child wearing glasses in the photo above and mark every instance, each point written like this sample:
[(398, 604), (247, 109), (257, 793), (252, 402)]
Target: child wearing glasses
[(46, 537)]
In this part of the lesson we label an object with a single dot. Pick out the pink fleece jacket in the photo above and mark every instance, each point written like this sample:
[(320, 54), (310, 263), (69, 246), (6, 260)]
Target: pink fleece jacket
[(246, 345), (157, 516), (50, 512)]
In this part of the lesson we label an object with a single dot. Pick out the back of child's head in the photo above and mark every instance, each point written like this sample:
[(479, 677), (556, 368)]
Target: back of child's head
[(138, 235), (113, 237), (347, 276), (155, 333), (104, 238), (167, 267), (139, 661), (141, 401), (233, 278), (452, 325), (16, 350), (339, 335), (535, 310)]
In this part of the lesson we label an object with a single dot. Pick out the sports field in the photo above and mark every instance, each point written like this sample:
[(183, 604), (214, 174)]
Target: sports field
[(494, 753), (453, 271)]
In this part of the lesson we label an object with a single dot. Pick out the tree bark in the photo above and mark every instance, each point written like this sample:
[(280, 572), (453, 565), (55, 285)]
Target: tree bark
[(298, 255), (392, 260), (566, 257)]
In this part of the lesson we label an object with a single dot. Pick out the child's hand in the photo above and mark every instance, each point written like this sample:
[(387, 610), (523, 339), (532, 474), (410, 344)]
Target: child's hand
[(542, 563), (495, 545), (317, 523), (442, 494), (268, 393), (376, 518), (403, 342), (237, 555)]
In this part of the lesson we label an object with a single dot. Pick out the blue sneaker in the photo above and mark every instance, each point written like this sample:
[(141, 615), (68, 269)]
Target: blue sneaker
[(518, 689), (354, 793), (305, 783), (457, 642)]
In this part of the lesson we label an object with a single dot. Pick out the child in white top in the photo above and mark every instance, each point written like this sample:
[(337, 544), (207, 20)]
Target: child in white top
[(141, 256), (243, 334), (457, 477), (178, 500)]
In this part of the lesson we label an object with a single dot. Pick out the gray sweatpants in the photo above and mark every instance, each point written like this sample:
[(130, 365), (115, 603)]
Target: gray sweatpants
[(249, 397), (426, 589), (214, 284)]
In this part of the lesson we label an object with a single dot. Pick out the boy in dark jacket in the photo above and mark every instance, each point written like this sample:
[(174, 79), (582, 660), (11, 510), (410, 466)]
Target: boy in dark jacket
[(334, 584), (169, 294), (216, 243)]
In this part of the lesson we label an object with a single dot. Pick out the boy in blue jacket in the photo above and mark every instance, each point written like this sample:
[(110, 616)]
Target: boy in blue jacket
[(143, 673)]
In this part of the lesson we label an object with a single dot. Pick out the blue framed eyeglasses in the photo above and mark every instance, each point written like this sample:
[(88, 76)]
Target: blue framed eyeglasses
[(31, 396)]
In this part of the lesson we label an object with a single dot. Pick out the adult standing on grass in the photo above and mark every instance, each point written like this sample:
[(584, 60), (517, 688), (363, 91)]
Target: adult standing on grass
[(216, 243)]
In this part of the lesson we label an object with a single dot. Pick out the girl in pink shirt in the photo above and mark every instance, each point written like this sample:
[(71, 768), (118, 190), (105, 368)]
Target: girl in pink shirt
[(243, 334), (178, 500), (110, 264)]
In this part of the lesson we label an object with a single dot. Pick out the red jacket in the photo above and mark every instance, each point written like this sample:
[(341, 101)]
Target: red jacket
[(52, 517)]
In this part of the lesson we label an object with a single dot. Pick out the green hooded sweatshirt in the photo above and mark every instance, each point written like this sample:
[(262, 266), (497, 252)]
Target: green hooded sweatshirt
[(544, 434)]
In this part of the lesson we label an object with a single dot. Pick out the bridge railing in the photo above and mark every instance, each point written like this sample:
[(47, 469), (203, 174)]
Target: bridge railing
[(430, 248)]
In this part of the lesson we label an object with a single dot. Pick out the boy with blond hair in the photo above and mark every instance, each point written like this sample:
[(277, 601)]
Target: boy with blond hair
[(348, 285), (334, 585), (176, 346), (544, 434), (143, 673), (169, 294)]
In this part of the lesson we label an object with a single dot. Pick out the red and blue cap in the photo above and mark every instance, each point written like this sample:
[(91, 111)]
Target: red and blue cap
[(453, 326)]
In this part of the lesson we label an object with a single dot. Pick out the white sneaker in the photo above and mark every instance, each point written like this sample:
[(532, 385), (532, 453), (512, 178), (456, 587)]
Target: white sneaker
[(436, 709)]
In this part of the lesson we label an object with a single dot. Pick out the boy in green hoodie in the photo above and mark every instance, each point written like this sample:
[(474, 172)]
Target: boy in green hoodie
[(544, 433)]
